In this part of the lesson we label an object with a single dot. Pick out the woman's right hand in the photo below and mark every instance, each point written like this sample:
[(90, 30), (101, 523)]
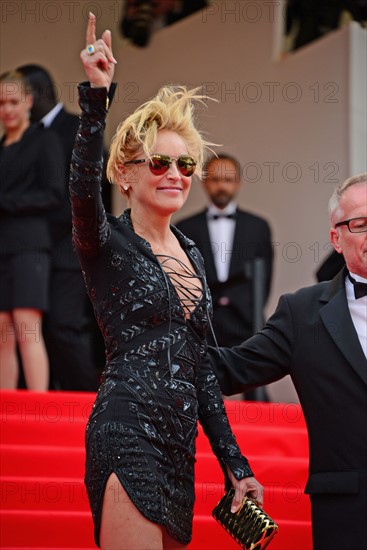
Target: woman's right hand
[(246, 486), (97, 57)]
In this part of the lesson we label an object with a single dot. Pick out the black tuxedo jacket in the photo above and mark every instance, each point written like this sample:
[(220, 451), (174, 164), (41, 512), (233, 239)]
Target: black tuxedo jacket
[(233, 321), (312, 338)]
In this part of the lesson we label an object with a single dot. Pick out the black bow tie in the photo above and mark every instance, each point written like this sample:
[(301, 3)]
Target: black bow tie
[(222, 216), (360, 289)]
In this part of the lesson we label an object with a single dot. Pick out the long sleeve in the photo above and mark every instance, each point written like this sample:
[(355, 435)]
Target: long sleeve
[(215, 424), (90, 228), (264, 358)]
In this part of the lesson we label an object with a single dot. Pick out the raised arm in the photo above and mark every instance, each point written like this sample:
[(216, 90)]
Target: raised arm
[(90, 228)]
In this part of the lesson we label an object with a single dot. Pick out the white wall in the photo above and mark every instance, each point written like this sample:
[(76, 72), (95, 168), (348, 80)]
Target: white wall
[(357, 119), (296, 125)]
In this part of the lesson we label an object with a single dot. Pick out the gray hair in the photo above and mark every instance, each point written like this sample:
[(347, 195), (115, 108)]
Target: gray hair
[(339, 191)]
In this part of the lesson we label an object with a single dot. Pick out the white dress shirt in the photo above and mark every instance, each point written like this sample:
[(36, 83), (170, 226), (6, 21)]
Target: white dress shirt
[(358, 310), (221, 233), (48, 119)]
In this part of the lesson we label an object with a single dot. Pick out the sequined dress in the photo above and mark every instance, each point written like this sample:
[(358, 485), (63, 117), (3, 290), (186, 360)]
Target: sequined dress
[(155, 385)]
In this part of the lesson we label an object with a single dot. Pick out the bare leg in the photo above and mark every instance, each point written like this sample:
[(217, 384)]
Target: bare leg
[(32, 348), (171, 544), (123, 527), (8, 355)]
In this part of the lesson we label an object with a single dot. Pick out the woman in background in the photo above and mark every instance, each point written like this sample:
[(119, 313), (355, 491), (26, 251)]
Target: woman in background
[(31, 184)]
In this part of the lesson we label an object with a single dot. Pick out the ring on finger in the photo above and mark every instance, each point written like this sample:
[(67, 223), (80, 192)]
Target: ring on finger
[(91, 49)]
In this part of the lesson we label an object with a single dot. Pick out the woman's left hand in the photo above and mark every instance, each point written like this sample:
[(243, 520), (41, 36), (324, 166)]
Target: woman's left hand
[(97, 57), (247, 486)]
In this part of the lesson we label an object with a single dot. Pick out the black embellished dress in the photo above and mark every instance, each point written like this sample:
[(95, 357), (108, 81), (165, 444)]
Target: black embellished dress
[(155, 384)]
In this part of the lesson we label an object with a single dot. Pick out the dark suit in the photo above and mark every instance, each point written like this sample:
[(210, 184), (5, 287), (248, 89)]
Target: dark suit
[(311, 336), (67, 325), (31, 187), (233, 301)]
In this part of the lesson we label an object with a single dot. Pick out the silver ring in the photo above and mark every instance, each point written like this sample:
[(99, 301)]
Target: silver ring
[(91, 49)]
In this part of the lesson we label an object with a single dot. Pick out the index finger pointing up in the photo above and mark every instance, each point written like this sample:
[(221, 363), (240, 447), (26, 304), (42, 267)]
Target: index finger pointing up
[(91, 29)]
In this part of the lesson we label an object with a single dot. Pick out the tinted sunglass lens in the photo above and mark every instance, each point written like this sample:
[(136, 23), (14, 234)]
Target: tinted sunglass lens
[(159, 164), (186, 165)]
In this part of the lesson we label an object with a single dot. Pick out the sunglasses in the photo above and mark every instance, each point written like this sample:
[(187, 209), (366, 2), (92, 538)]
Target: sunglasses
[(160, 164)]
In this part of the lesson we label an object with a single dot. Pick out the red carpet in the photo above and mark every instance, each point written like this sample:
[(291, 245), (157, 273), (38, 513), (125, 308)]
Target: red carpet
[(43, 499)]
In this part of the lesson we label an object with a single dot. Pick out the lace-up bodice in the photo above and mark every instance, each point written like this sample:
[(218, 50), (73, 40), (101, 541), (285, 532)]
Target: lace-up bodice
[(187, 283)]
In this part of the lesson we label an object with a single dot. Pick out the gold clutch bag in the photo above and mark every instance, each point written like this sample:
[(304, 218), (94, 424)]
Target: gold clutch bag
[(250, 526)]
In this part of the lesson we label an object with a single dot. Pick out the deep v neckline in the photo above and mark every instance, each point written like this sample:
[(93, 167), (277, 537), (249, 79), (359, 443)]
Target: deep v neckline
[(189, 295), (126, 218)]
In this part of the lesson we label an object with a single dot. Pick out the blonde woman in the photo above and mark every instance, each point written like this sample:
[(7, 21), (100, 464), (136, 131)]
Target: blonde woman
[(147, 285)]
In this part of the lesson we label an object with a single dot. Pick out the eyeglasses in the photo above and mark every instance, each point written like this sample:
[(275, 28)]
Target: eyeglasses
[(355, 225), (160, 164)]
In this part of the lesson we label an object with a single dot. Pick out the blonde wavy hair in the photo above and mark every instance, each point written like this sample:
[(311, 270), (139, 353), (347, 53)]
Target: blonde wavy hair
[(171, 109)]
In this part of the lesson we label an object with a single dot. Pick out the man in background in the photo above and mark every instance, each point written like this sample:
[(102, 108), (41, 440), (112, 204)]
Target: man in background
[(238, 255)]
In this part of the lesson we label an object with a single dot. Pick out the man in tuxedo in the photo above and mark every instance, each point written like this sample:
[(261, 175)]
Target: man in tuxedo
[(238, 255), (68, 326), (318, 336)]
